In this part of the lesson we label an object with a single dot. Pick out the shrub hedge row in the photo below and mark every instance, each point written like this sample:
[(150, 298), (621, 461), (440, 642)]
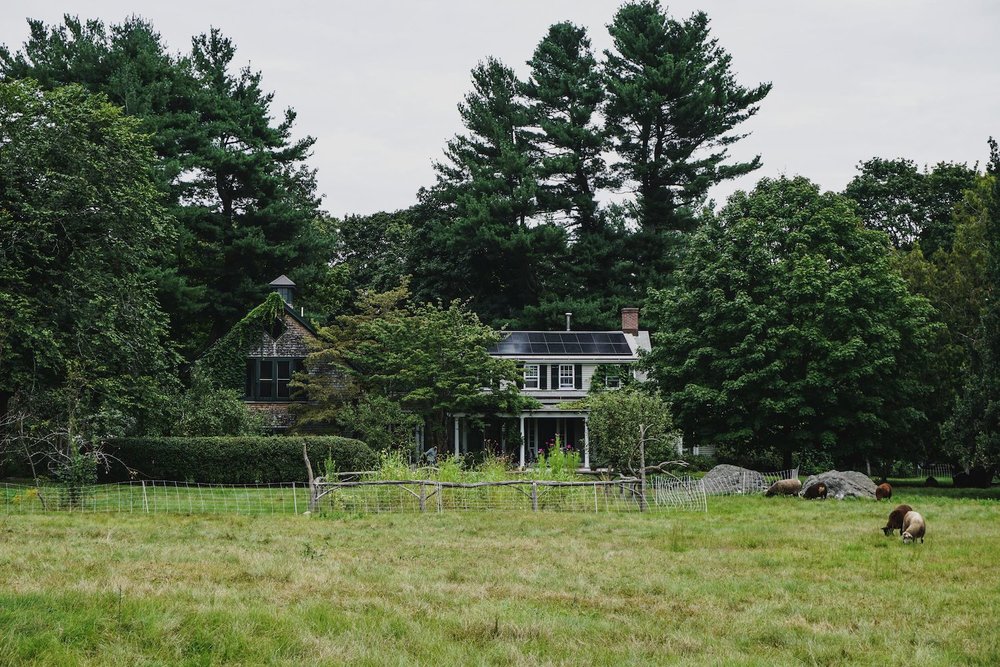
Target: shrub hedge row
[(233, 459)]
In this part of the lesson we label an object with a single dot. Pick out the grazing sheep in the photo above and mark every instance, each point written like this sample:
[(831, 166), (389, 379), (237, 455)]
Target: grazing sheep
[(914, 527), (815, 491), (784, 487), (883, 491), (896, 519)]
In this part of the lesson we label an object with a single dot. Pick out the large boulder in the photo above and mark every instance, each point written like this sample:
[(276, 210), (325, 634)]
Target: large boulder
[(726, 479), (846, 484)]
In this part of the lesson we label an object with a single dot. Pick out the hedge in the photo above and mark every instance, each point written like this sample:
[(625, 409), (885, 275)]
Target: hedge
[(233, 459)]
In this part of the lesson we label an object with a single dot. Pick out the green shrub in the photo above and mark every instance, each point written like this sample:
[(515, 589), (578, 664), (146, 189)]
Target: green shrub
[(233, 459)]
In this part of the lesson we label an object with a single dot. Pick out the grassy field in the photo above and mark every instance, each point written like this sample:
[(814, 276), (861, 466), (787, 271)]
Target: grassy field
[(755, 581)]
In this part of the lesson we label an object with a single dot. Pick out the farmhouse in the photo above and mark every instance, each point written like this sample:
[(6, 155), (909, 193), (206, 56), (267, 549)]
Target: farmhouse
[(559, 367)]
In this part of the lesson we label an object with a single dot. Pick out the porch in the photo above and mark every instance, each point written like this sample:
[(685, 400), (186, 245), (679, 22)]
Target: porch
[(519, 437)]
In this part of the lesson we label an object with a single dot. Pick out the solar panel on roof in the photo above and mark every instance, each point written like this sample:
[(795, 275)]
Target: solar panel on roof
[(541, 343)]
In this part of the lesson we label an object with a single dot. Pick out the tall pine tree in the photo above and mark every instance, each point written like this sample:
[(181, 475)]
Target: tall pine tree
[(235, 184), (474, 235)]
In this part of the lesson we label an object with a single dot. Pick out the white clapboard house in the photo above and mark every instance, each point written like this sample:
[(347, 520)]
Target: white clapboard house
[(559, 367)]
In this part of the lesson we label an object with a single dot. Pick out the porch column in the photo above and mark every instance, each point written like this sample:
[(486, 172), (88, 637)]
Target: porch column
[(522, 442), (458, 439), (465, 436), (586, 443)]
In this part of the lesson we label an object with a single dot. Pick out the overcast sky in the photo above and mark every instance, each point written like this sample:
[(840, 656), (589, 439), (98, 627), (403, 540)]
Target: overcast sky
[(377, 82)]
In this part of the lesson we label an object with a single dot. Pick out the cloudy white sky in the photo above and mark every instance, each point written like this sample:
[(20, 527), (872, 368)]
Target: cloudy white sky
[(377, 81)]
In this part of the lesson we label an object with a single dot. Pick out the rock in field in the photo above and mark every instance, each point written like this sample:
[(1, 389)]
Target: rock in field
[(726, 479), (846, 484)]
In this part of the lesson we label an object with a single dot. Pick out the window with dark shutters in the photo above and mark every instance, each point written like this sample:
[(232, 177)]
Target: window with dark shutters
[(578, 376), (543, 376), (555, 376)]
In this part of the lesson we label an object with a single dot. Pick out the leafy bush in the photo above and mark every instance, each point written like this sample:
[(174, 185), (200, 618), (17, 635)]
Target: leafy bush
[(204, 410), (234, 460)]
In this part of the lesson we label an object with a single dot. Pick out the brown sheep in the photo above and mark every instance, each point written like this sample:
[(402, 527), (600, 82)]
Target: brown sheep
[(914, 527), (784, 487), (883, 491), (896, 519), (817, 490)]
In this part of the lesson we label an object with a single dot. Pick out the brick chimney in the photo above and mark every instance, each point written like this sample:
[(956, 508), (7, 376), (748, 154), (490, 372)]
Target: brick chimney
[(630, 321)]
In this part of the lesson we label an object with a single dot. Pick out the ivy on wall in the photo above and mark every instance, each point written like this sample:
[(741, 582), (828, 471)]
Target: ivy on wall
[(224, 364)]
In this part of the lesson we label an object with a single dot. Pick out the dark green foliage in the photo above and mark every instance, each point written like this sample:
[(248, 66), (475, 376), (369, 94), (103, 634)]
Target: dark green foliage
[(224, 364), (82, 338), (374, 249), (564, 93), (619, 419), (788, 329), (234, 460), (894, 197), (242, 203), (472, 237), (975, 427), (205, 410), (672, 103), (420, 363)]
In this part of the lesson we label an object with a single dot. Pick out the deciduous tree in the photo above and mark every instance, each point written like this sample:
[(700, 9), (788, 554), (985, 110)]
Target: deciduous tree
[(789, 329)]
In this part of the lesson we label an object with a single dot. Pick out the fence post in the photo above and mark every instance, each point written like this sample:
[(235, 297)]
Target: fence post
[(145, 500), (534, 496), (295, 501), (423, 498)]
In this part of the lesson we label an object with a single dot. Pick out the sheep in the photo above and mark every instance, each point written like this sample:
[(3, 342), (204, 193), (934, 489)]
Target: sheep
[(883, 490), (817, 490), (784, 487), (914, 527), (896, 519)]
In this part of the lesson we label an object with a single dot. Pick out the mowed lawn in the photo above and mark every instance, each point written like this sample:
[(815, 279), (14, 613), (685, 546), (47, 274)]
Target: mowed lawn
[(754, 581)]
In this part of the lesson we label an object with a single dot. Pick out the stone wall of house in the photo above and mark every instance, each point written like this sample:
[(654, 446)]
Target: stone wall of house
[(276, 414), (292, 343)]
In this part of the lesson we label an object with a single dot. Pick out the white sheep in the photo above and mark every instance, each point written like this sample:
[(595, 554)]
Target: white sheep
[(914, 527)]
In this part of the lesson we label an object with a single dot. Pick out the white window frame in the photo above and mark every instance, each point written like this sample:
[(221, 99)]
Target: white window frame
[(564, 378), (613, 380), (537, 381)]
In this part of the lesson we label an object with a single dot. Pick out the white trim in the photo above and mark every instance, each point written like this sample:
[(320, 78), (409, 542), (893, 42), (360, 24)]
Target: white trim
[(571, 377), (538, 377)]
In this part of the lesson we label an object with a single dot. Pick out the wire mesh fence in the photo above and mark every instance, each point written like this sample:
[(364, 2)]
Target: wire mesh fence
[(515, 495), (152, 497), (156, 497), (747, 482)]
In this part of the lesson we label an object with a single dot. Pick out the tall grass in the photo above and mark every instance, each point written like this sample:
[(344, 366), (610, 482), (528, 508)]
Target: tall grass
[(756, 581)]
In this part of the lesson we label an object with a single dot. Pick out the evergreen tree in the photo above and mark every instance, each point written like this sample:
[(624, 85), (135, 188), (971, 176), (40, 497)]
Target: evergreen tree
[(672, 104), (564, 93), (473, 231), (243, 203)]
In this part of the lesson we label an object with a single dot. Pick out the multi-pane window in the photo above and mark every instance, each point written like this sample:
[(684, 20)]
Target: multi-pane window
[(566, 377), (267, 379), (613, 380), (531, 376)]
